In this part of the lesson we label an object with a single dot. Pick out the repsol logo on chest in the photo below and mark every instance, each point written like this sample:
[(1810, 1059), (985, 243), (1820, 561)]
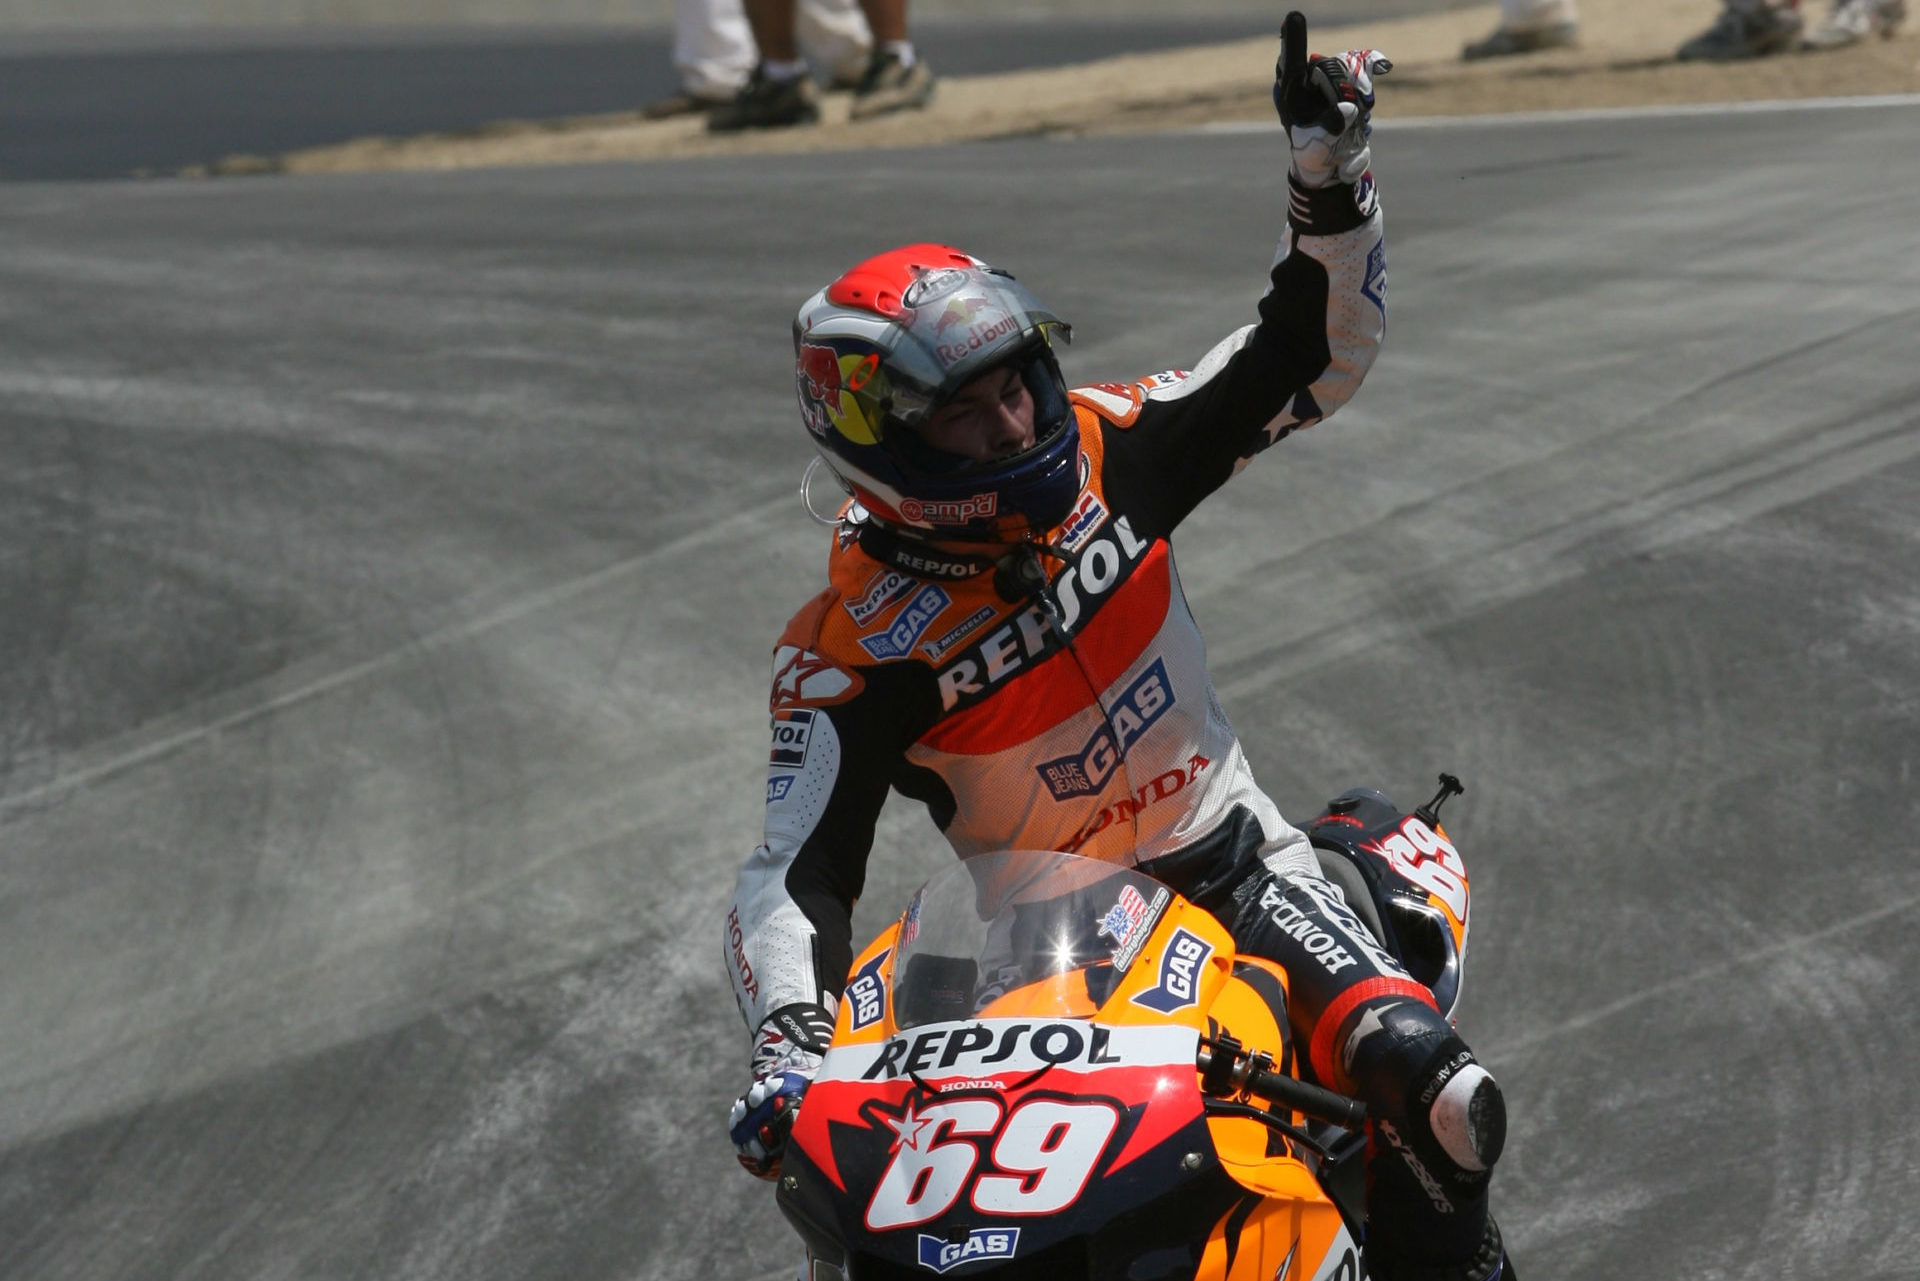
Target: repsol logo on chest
[(1080, 590), (970, 1048)]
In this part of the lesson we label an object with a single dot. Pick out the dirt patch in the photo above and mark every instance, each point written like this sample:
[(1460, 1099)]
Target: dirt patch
[(1625, 58)]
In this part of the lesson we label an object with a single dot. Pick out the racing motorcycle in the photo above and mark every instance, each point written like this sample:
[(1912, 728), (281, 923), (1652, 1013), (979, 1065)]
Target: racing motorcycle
[(1054, 1067)]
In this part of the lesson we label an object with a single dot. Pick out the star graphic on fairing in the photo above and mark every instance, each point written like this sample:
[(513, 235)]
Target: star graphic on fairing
[(789, 680), (1369, 1024), (910, 1130)]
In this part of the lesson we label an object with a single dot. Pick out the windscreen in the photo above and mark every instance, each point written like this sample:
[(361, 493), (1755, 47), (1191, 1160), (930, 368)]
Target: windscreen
[(1052, 930)]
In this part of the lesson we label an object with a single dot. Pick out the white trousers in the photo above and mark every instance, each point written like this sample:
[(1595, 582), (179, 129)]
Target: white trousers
[(713, 47), (1529, 15)]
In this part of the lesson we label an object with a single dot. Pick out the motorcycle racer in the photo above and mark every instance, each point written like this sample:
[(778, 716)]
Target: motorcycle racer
[(1005, 639)]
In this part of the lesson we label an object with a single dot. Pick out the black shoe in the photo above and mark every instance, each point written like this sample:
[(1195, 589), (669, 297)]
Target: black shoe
[(1506, 44), (680, 104), (767, 104), (1738, 34), (889, 87)]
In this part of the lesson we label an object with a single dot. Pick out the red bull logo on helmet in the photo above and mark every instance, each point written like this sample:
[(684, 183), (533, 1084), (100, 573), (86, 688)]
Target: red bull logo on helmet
[(820, 369), (826, 380), (980, 336), (958, 312)]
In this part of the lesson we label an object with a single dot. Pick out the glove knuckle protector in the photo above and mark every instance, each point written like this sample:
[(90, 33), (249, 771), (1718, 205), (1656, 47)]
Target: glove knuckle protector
[(1326, 104), (787, 1051)]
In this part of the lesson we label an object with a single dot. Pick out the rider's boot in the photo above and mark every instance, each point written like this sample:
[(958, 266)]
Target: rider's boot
[(1438, 1125)]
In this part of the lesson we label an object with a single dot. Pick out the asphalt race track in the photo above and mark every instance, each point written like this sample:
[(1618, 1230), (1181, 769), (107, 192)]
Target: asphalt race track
[(390, 566)]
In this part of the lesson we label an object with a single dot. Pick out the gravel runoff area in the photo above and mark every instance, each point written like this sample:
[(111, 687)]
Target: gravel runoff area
[(1625, 59)]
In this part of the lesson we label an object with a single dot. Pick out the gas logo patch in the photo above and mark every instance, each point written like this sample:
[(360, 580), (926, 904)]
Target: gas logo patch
[(1180, 971), (1133, 713), (898, 640), (867, 995), (792, 728), (981, 1244)]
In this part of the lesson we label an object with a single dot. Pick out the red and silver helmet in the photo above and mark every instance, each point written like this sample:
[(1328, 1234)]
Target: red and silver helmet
[(880, 349)]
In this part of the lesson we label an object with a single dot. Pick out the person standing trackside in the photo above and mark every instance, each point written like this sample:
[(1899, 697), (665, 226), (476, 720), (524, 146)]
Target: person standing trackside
[(1528, 26), (1759, 28), (714, 53), (780, 93)]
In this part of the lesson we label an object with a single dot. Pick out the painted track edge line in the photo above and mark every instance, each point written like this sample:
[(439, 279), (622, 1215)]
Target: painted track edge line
[(1862, 102)]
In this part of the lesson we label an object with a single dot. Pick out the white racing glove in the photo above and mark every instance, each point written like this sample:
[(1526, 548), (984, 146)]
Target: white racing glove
[(1326, 103), (787, 1052)]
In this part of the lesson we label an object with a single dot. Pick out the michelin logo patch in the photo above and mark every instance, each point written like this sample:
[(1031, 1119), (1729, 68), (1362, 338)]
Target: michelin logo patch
[(981, 1244), (939, 649), (898, 640), (867, 995), (792, 727), (1180, 970), (1132, 714)]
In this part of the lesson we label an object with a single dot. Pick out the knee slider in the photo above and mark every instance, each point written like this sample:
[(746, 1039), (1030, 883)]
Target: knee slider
[(1464, 1109), (1406, 1060)]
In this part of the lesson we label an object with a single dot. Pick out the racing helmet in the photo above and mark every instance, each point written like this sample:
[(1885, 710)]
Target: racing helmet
[(882, 348)]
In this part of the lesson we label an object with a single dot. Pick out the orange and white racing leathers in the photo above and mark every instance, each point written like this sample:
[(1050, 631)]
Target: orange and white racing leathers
[(1077, 717)]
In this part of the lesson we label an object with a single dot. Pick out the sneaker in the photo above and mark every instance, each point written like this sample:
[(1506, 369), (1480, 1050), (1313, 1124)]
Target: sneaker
[(889, 87), (850, 72), (1853, 20), (1739, 34), (768, 104), (1505, 43), (680, 104)]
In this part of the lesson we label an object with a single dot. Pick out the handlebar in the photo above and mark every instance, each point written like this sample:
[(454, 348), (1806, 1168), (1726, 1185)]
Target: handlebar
[(1226, 1068)]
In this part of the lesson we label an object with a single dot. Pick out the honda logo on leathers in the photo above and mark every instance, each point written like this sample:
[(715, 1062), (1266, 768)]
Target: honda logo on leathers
[(1080, 589)]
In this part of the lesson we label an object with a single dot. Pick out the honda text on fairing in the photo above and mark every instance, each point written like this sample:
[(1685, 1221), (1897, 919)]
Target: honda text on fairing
[(1055, 1067)]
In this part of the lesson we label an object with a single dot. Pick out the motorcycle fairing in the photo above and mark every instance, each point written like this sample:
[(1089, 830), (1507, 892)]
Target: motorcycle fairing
[(1145, 1183), (1415, 881), (1055, 1128)]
